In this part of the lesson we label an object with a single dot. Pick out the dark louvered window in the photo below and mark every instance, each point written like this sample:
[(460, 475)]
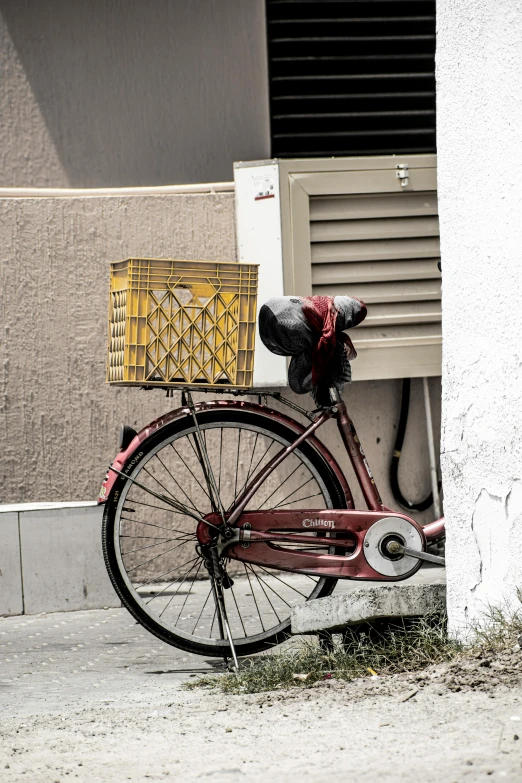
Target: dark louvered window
[(351, 77)]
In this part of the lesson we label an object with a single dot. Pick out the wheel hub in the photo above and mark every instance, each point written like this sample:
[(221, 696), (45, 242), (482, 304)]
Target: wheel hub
[(205, 534)]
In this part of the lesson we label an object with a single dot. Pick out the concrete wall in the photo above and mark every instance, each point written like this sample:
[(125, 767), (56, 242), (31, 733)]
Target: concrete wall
[(104, 92), (479, 115), (58, 419), (51, 559)]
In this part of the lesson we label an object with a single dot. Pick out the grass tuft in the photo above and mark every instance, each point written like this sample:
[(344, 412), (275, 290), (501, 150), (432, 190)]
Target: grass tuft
[(384, 648), (498, 630)]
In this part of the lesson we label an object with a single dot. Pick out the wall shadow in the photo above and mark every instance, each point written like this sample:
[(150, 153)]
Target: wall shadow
[(144, 93)]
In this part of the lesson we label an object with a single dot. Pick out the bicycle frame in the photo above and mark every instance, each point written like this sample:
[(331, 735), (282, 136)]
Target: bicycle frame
[(260, 528), (258, 535)]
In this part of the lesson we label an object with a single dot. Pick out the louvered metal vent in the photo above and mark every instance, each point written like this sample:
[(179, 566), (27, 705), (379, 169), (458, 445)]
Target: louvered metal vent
[(351, 77), (383, 249)]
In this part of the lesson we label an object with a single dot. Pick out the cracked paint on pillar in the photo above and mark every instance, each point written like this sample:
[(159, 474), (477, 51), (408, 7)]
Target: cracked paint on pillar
[(479, 114)]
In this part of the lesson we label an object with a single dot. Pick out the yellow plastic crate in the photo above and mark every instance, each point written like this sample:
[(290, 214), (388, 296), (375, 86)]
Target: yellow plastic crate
[(177, 323)]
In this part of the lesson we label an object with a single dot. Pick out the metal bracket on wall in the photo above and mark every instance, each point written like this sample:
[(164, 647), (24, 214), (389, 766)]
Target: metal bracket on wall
[(403, 174)]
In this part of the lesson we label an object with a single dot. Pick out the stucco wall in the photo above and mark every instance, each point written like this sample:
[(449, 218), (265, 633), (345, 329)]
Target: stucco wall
[(100, 93), (479, 116), (58, 418)]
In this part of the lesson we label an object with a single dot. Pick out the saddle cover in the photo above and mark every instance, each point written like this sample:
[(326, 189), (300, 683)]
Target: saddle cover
[(311, 330)]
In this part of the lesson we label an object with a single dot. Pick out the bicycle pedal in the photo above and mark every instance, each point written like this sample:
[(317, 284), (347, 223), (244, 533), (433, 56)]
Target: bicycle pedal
[(227, 582)]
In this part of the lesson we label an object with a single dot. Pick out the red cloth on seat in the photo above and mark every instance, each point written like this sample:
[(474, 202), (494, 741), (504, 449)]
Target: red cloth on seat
[(321, 314)]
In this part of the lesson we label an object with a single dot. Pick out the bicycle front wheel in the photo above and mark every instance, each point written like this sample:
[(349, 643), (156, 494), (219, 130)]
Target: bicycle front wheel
[(150, 548)]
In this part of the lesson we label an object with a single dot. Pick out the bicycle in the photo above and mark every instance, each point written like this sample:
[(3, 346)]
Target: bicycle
[(221, 516)]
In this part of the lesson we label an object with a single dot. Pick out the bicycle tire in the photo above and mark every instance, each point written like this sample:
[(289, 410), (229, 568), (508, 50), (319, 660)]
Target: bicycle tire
[(116, 508)]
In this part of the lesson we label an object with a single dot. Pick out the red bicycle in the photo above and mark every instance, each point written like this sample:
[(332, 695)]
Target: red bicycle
[(221, 516)]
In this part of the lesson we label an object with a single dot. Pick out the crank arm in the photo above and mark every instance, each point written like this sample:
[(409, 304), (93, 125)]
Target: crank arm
[(421, 555)]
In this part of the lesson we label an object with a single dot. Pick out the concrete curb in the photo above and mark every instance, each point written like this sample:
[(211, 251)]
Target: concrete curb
[(51, 559), (368, 603)]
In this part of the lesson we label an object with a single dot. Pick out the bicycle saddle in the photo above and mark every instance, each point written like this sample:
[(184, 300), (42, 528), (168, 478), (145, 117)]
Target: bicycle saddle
[(311, 330)]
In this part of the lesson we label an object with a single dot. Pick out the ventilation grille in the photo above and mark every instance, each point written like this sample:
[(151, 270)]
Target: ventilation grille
[(351, 77), (384, 249)]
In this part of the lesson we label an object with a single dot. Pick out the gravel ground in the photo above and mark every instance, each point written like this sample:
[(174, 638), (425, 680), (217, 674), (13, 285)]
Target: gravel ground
[(90, 696)]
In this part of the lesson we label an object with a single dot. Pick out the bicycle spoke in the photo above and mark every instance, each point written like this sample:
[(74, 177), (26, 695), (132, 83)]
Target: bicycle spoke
[(153, 538), (254, 597), (206, 465), (151, 524), (250, 466), (169, 501), (202, 610), (189, 592), (177, 484), (140, 565), (159, 508), (192, 567), (178, 502), (282, 581), (259, 463), (237, 609), (300, 500), (158, 578), (237, 463), (190, 470), (220, 458), (156, 595), (281, 484), (266, 594), (199, 457), (271, 588), (313, 579), (213, 621), (141, 548), (293, 492)]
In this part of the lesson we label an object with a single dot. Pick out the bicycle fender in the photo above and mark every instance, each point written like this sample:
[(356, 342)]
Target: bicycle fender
[(126, 459)]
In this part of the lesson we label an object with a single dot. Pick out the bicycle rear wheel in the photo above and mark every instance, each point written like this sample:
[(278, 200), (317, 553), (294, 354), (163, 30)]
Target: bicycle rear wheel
[(150, 548)]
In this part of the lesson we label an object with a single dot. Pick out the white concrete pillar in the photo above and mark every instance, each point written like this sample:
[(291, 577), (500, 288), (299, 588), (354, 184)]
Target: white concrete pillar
[(479, 129)]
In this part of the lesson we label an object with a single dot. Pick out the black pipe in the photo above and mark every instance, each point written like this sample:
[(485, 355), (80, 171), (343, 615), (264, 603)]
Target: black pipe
[(422, 505)]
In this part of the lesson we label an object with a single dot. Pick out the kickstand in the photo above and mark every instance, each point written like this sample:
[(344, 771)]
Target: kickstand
[(235, 666), (219, 599)]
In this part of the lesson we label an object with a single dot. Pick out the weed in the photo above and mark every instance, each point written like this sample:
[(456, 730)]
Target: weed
[(498, 630), (383, 648)]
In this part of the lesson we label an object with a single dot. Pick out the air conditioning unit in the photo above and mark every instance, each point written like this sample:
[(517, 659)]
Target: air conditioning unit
[(364, 227)]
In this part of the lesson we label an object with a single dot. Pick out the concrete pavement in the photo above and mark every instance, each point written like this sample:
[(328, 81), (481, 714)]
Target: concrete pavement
[(91, 696), (86, 658), (89, 657)]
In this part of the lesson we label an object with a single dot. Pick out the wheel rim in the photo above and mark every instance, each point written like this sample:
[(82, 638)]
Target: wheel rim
[(155, 546)]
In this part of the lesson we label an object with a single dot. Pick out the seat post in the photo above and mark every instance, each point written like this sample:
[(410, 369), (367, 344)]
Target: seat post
[(334, 395)]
